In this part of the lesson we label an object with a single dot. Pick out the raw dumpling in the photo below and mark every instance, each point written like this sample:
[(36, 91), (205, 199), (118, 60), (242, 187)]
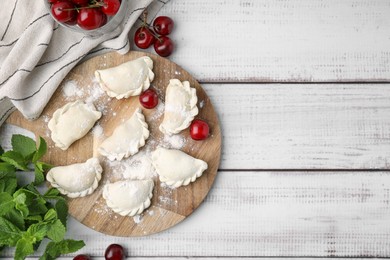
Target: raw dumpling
[(128, 79), (76, 180), (177, 168), (126, 139), (180, 107), (71, 122), (128, 197)]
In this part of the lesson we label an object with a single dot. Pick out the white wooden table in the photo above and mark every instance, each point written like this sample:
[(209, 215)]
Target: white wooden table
[(302, 92)]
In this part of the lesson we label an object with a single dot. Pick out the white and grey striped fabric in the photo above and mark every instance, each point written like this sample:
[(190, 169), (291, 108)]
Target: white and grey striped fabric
[(36, 53)]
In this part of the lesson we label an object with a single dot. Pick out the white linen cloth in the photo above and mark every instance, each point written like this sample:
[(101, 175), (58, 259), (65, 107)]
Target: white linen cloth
[(36, 53)]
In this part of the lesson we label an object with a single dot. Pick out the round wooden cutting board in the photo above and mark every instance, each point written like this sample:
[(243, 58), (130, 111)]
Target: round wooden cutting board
[(169, 206)]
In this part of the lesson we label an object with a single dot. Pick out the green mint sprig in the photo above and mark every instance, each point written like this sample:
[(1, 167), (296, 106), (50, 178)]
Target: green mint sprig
[(26, 216)]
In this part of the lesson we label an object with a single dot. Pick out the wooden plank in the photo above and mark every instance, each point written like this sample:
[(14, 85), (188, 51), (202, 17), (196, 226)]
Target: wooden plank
[(284, 40), (303, 126), (255, 214)]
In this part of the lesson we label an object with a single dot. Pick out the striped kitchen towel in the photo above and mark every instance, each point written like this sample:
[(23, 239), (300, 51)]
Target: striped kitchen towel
[(36, 53)]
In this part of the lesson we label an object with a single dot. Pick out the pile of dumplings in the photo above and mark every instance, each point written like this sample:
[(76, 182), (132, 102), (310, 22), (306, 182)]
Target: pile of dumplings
[(74, 120)]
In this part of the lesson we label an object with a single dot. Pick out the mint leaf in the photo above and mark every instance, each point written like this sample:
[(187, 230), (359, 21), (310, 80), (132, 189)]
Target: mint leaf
[(42, 148), (50, 215), (23, 145), (20, 204), (37, 231), (34, 218), (9, 233), (6, 168), (39, 177), (24, 247), (15, 159), (8, 185), (6, 203), (56, 231), (55, 249), (16, 217), (51, 193), (62, 211)]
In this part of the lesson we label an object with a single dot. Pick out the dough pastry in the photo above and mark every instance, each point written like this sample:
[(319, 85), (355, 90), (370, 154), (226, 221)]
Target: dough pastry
[(76, 180), (71, 122), (177, 168), (126, 139), (128, 79), (180, 107), (128, 197)]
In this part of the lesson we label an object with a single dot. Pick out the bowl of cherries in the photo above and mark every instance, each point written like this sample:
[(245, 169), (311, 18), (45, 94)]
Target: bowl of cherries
[(91, 17)]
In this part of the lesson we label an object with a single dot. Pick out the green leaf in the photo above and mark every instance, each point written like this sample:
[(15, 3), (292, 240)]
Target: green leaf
[(23, 145), (42, 148), (50, 215), (20, 204), (39, 177), (6, 203), (55, 249), (5, 169), (38, 231), (62, 211), (9, 233), (1, 150), (56, 231), (51, 193), (35, 218), (24, 247), (8, 185), (16, 218), (16, 159)]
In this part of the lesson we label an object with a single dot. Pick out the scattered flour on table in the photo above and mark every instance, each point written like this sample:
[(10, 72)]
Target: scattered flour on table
[(173, 141), (137, 219), (71, 89), (97, 131), (201, 104)]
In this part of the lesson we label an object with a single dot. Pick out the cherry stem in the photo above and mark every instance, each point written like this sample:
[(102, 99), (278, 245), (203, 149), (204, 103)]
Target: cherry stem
[(95, 4), (146, 25)]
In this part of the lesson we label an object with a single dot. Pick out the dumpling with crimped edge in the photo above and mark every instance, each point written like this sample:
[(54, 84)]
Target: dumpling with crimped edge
[(176, 168), (127, 138), (71, 122), (128, 197), (180, 107), (127, 79), (76, 180)]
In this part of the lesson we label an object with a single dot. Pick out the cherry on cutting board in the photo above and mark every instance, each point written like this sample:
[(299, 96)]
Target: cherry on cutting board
[(114, 252), (148, 99), (143, 38), (199, 130), (163, 25), (163, 46), (63, 11), (82, 257)]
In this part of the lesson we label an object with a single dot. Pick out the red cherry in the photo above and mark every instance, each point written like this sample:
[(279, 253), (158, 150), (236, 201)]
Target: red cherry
[(114, 252), (80, 2), (143, 38), (199, 129), (111, 7), (52, 1), (163, 46), (163, 25), (72, 21), (63, 11), (104, 20), (148, 99), (90, 18), (82, 257)]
